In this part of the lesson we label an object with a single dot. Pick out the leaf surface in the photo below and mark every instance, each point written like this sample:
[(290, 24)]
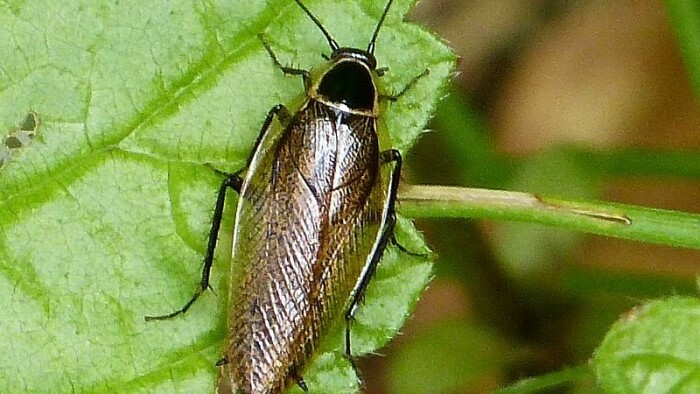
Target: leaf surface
[(104, 217)]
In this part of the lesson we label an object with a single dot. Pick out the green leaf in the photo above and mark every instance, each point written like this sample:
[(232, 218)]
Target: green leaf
[(685, 15), (475, 353), (653, 349), (104, 218)]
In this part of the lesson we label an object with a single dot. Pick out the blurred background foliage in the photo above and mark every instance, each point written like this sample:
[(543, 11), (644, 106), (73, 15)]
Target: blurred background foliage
[(586, 99)]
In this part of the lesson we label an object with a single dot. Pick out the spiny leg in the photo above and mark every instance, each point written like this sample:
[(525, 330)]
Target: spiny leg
[(299, 380), (403, 249), (394, 97), (394, 241), (283, 116), (235, 182), (385, 235), (286, 70)]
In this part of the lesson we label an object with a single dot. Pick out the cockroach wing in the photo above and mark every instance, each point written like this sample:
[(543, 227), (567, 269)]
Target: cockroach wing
[(308, 220)]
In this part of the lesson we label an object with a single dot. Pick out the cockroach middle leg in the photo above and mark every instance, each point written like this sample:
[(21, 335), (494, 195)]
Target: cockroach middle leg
[(385, 235), (234, 182)]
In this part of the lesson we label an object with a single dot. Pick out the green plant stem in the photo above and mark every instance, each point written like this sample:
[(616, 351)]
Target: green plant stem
[(631, 222), (548, 381)]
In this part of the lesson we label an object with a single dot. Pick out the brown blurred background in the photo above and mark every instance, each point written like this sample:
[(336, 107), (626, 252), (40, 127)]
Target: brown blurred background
[(597, 74)]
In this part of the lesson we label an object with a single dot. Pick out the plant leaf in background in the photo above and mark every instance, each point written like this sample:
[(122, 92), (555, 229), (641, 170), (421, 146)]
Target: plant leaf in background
[(685, 15), (422, 367), (653, 349), (104, 218)]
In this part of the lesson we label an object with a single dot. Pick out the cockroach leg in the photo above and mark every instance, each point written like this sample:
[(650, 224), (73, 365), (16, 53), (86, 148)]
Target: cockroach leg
[(409, 85), (299, 380), (286, 70), (386, 233), (234, 182), (403, 249)]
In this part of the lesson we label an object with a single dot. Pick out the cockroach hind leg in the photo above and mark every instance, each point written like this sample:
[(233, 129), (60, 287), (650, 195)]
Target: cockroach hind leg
[(302, 384), (349, 319), (351, 359), (299, 380)]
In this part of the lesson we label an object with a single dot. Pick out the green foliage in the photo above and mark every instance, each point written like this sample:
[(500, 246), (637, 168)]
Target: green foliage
[(653, 349), (104, 219), (422, 367), (685, 15), (536, 260), (104, 211)]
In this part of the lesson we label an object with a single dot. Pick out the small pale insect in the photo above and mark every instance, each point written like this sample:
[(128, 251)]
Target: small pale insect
[(315, 213)]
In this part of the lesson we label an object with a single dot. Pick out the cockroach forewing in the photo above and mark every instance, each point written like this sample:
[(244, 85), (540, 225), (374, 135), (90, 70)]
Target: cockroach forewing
[(308, 219)]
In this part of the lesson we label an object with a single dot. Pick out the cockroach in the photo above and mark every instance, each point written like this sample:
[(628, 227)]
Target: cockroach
[(315, 214)]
